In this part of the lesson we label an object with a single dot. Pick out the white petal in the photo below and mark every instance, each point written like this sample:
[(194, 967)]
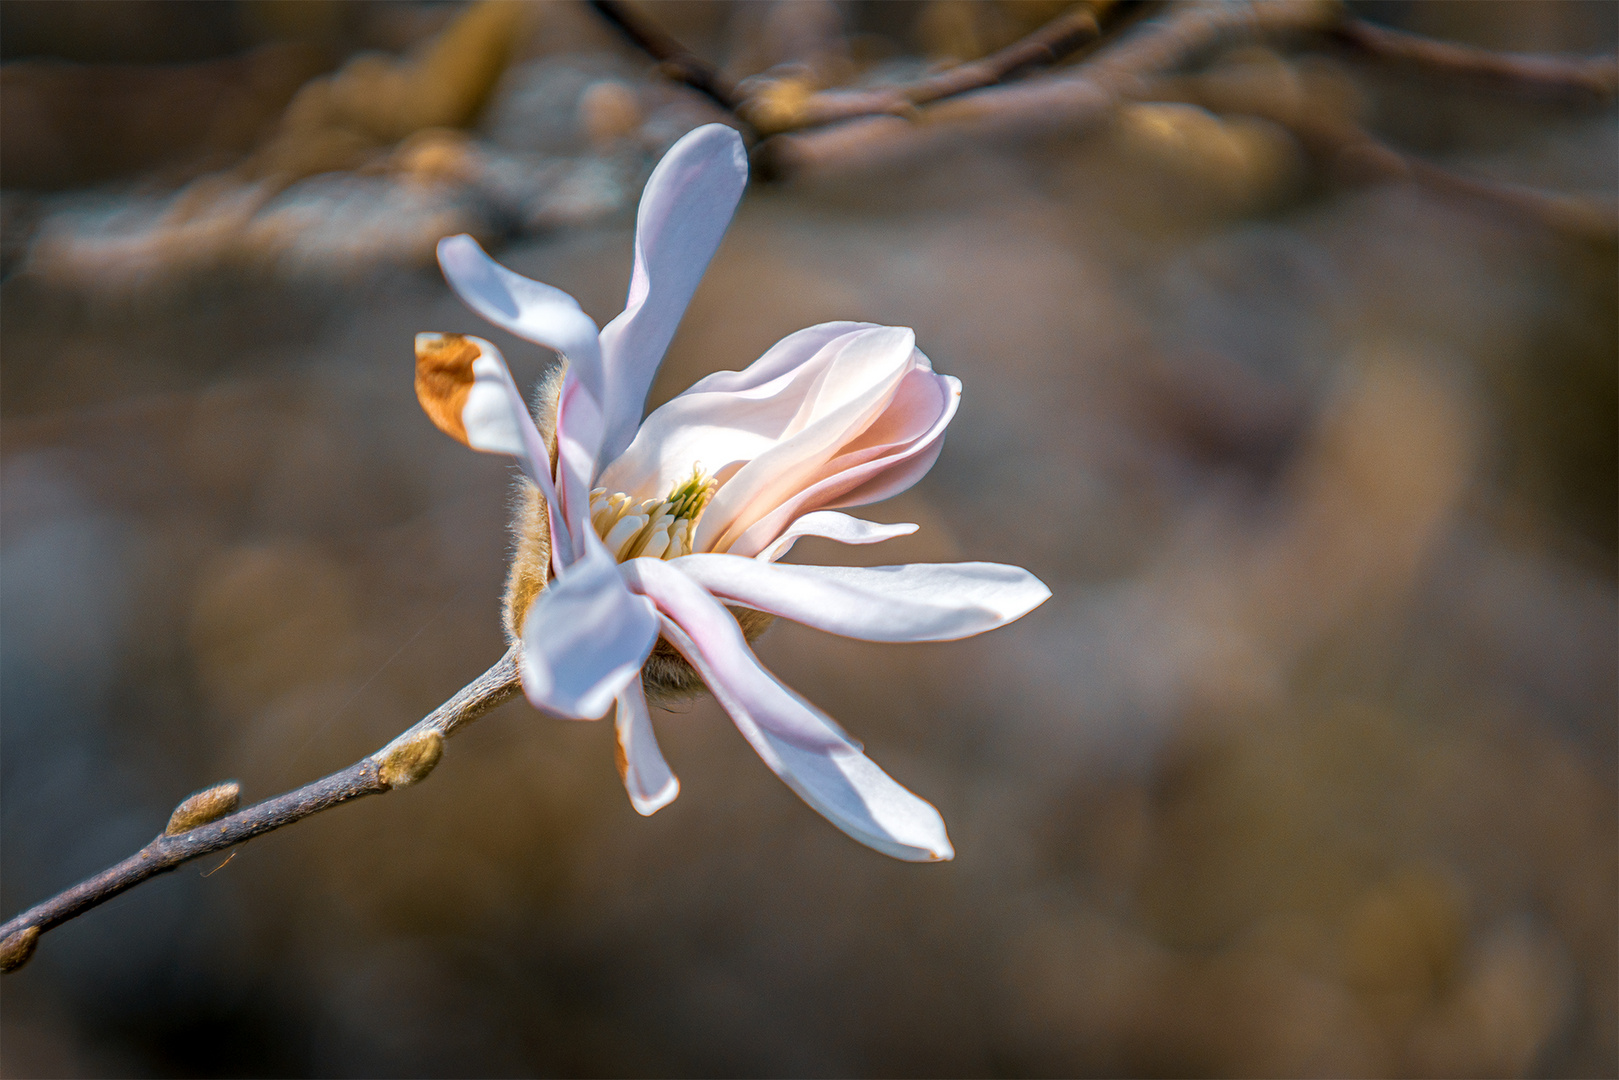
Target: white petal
[(552, 318), (846, 398), (585, 638), (870, 475), (579, 427), (839, 781), (498, 421), (916, 602), (833, 526), (646, 775), (907, 465), (782, 358), (727, 418), (687, 204), (529, 309), (770, 704)]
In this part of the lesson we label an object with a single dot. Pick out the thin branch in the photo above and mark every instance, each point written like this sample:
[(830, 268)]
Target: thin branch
[(1051, 43), (1594, 75), (674, 59), (1072, 101), (1587, 218), (1346, 152), (405, 760), (1352, 154)]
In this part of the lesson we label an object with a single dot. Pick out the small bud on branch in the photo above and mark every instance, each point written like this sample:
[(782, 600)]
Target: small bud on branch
[(17, 948), (209, 821), (207, 805), (409, 758)]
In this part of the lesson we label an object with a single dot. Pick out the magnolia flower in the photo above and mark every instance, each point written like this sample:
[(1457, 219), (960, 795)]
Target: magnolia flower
[(648, 554)]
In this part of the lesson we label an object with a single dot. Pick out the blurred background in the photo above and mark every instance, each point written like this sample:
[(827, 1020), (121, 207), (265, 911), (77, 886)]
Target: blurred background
[(1307, 767)]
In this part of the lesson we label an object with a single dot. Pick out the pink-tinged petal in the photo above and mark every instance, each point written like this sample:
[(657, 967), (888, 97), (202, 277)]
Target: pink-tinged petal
[(687, 204), (727, 418), (891, 476), (585, 638), (848, 395), (915, 602), (784, 357), (647, 778), (533, 311), (716, 635), (858, 478), (839, 781), (579, 427), (831, 525)]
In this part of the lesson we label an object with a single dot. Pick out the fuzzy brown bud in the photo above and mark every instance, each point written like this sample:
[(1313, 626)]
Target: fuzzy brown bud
[(206, 805), (407, 760), (17, 948)]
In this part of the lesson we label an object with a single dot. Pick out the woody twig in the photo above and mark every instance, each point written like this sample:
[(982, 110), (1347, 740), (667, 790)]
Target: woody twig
[(209, 821)]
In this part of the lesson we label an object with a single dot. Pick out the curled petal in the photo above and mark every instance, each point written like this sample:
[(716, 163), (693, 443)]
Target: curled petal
[(726, 418), (839, 781), (832, 525), (687, 204), (915, 602), (783, 358), (849, 392), (647, 778), (871, 470), (905, 460), (714, 631), (533, 311), (585, 638)]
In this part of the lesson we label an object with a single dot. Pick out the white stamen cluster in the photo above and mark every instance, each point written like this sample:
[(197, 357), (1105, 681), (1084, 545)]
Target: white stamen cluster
[(651, 528)]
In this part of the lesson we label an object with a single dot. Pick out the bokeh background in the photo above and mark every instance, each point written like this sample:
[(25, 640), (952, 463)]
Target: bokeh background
[(1307, 767)]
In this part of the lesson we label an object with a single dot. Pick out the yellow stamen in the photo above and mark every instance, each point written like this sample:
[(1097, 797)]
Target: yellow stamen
[(652, 528)]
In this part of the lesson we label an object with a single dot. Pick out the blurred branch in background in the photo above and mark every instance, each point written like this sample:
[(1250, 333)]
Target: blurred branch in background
[(1597, 76), (674, 59), (1086, 97), (209, 821), (793, 102), (370, 164)]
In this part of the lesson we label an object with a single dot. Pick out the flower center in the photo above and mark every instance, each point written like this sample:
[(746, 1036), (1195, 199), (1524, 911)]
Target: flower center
[(653, 528)]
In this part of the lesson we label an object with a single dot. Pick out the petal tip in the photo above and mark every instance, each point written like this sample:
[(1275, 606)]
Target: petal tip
[(647, 805), (457, 244), (444, 379)]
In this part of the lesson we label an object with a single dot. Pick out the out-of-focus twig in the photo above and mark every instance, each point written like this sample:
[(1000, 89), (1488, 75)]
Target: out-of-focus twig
[(1356, 156), (1344, 151), (782, 105), (198, 828), (1052, 42), (1068, 102), (1595, 75), (674, 59)]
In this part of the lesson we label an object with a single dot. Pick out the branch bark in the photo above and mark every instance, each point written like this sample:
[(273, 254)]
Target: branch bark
[(405, 760), (1597, 76), (674, 59), (1346, 152), (1070, 102), (1082, 98), (1356, 156), (1053, 42)]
